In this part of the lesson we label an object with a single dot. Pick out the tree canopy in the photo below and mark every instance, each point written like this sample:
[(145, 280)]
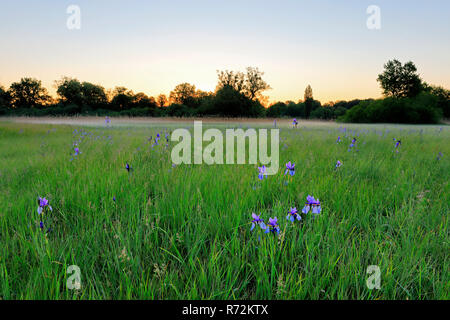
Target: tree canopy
[(28, 92), (399, 80), (237, 94)]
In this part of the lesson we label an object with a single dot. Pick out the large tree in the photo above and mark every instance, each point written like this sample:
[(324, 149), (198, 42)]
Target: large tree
[(122, 98), (161, 100), (399, 80), (250, 83), (254, 84), (28, 93), (72, 91), (183, 93), (69, 91), (141, 100), (235, 80), (309, 100)]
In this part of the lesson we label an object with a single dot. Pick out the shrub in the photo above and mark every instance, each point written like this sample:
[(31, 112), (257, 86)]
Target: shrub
[(419, 109)]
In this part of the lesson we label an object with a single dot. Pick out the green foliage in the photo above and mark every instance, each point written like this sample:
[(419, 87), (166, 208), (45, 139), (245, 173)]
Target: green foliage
[(443, 99), (323, 113), (420, 109), (183, 93), (277, 110), (399, 80), (237, 94), (28, 93), (231, 103), (179, 110), (4, 100), (94, 95), (250, 84), (83, 95), (309, 100)]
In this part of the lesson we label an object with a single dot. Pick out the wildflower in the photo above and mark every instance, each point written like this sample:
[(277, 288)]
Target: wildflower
[(43, 202), (43, 205), (439, 156), (107, 120), (272, 226), (338, 164), (114, 198), (312, 204), (77, 151), (128, 167), (295, 122), (262, 172), (158, 137), (292, 215), (257, 220), (290, 168), (338, 139), (353, 144)]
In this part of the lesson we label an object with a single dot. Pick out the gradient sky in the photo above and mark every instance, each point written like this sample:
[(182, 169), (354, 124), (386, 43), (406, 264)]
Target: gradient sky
[(151, 46)]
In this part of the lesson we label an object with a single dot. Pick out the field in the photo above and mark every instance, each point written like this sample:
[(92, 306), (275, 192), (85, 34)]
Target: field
[(183, 232)]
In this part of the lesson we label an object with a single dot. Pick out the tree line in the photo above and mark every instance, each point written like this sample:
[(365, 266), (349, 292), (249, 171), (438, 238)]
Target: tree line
[(237, 94)]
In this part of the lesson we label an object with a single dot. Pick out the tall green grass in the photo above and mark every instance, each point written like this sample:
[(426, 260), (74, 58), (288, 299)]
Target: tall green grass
[(184, 232)]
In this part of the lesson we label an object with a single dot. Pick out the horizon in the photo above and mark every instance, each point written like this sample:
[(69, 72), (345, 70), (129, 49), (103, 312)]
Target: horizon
[(152, 47)]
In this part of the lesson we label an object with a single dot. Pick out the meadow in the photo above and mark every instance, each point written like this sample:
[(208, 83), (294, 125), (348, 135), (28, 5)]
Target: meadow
[(161, 231)]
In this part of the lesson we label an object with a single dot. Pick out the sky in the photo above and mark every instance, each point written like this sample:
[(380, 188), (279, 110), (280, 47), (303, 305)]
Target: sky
[(151, 46)]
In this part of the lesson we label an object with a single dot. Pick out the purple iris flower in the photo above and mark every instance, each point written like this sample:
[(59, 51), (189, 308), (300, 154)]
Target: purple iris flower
[(272, 226), (257, 220), (439, 156), (262, 171), (114, 198), (43, 204), (128, 167), (290, 167), (338, 164), (352, 144), (295, 122), (312, 204), (338, 139), (77, 151), (292, 215)]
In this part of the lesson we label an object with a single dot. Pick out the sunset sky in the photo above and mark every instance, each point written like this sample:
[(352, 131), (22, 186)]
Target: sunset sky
[(151, 46)]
